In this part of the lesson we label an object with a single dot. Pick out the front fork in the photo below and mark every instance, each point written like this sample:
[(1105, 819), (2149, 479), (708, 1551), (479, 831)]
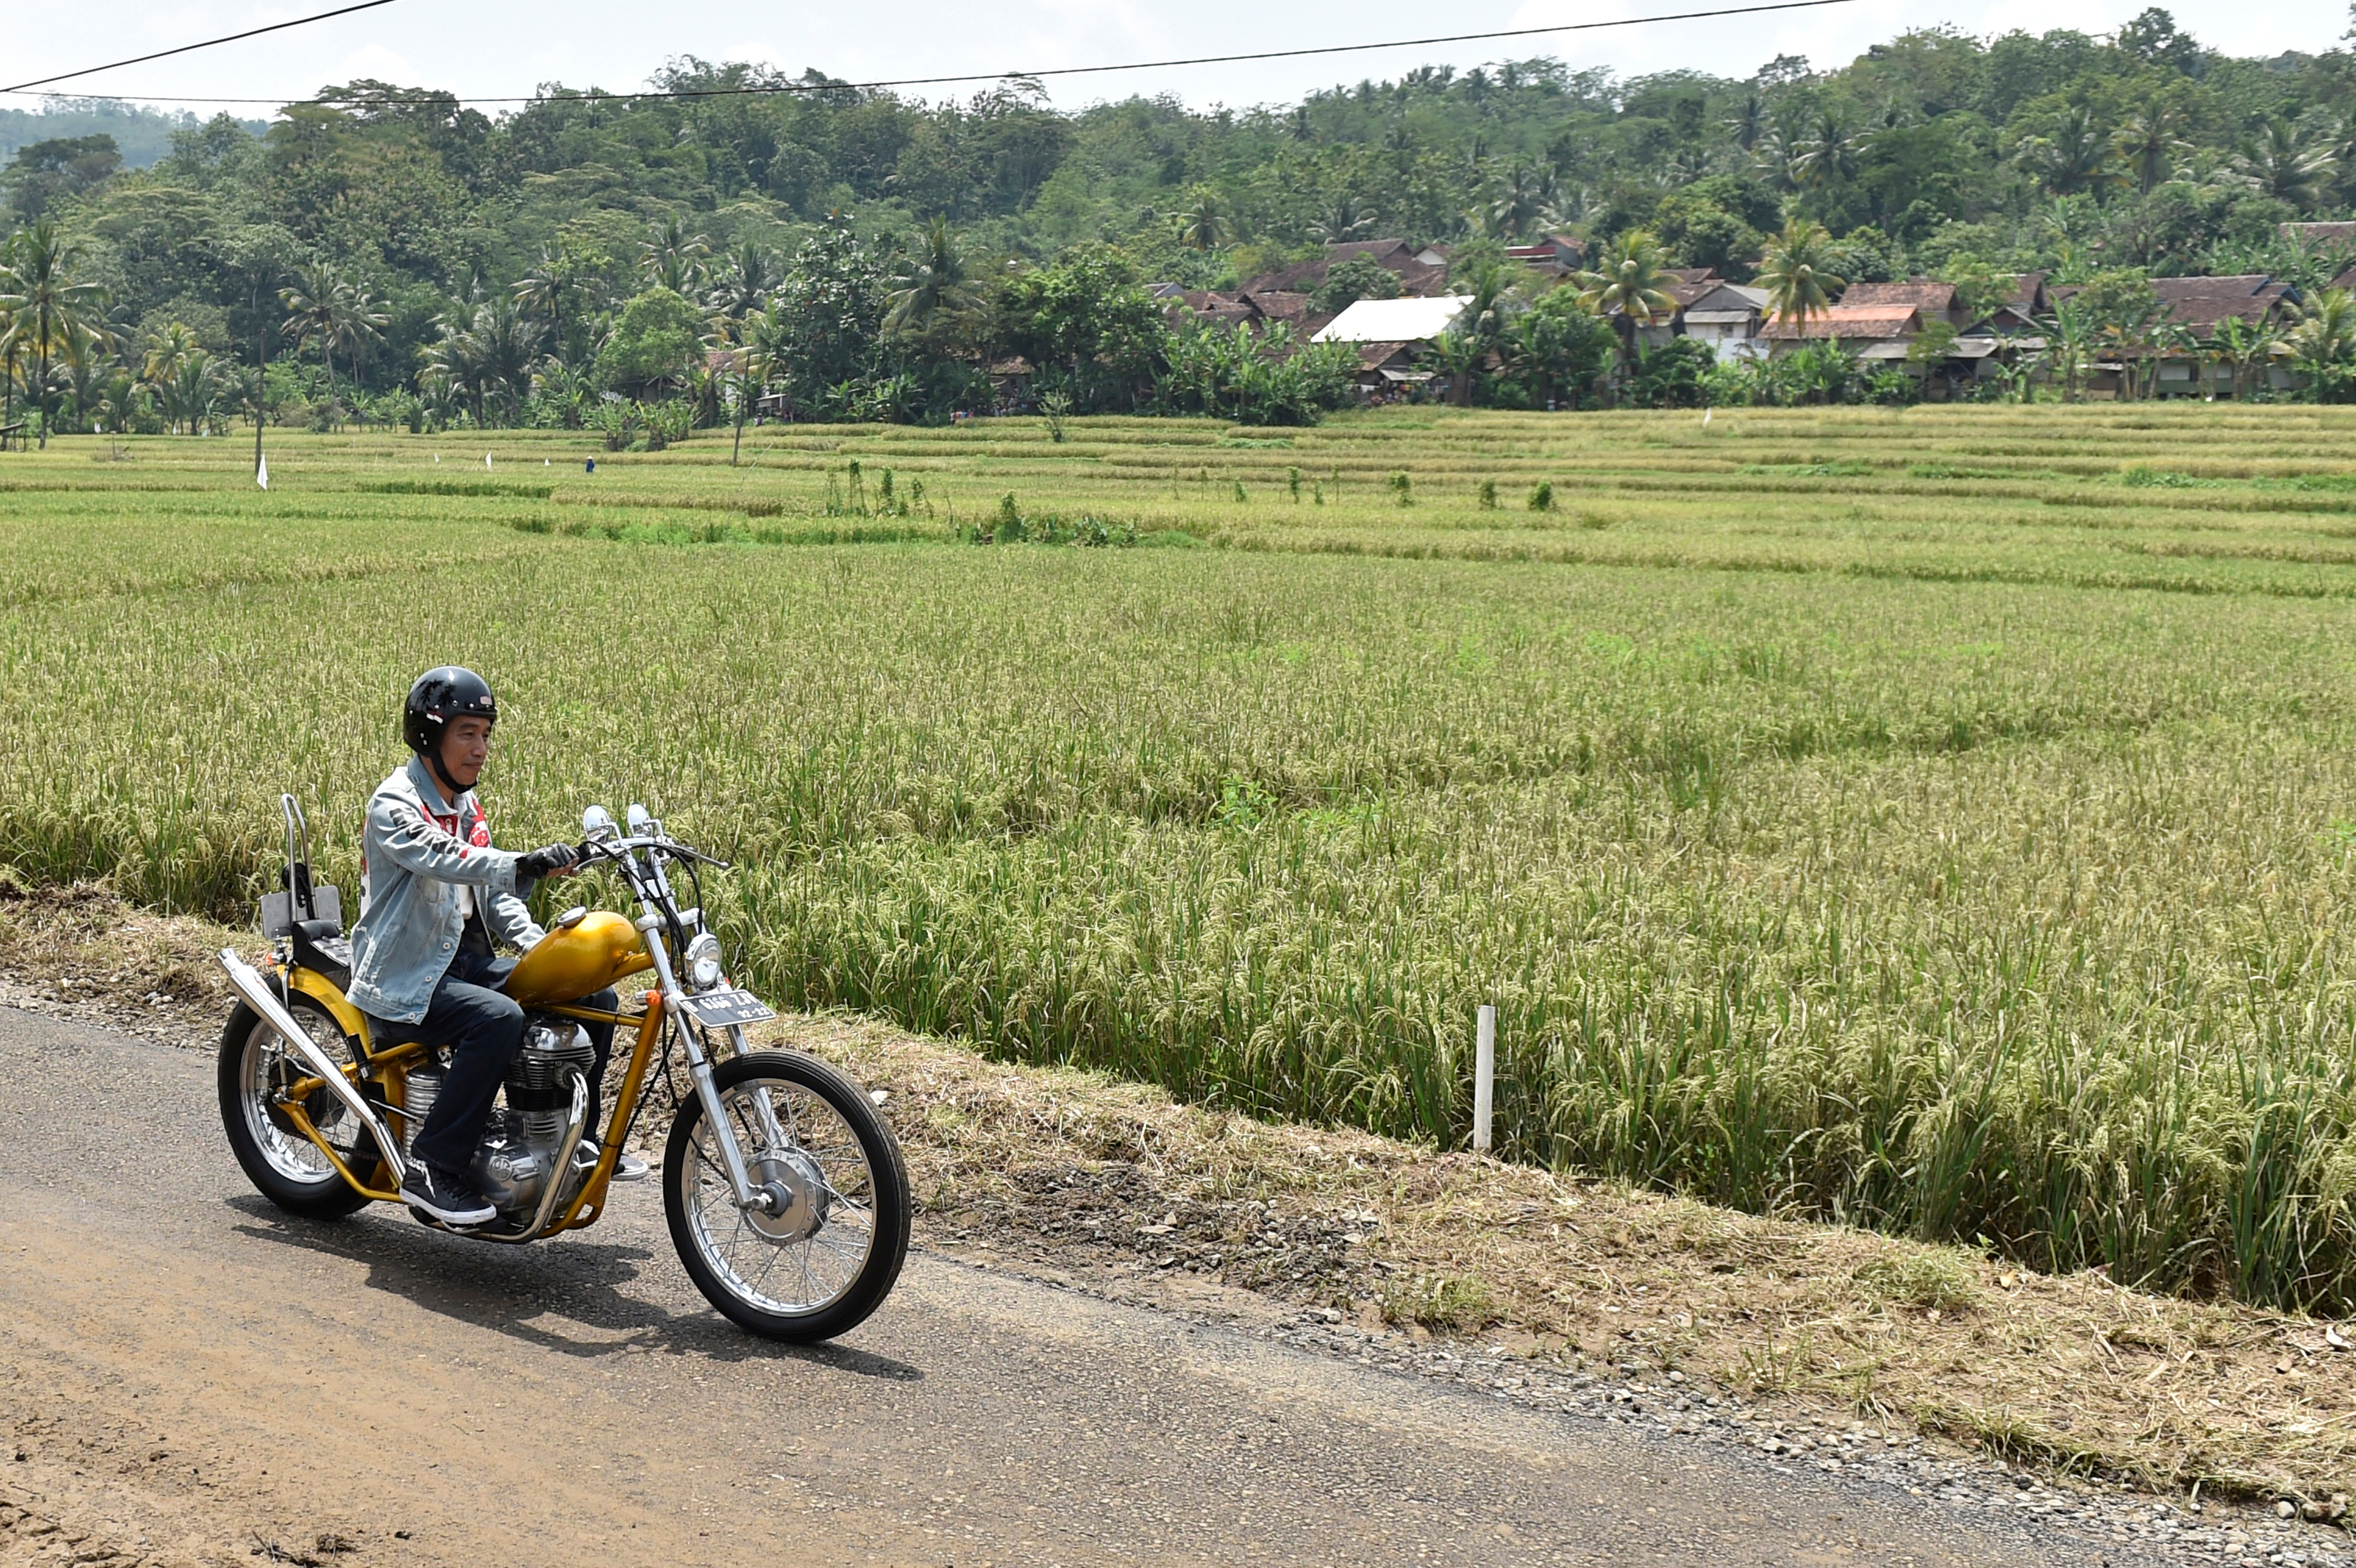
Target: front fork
[(764, 1199)]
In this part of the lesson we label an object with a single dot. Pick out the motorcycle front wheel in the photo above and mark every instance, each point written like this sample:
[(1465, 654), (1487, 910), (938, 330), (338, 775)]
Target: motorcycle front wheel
[(828, 1248)]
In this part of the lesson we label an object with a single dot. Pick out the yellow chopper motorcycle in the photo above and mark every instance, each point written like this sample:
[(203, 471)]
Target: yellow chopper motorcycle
[(784, 1188)]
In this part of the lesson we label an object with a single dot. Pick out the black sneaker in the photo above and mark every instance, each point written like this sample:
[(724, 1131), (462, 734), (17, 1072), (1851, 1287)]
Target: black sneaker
[(445, 1197)]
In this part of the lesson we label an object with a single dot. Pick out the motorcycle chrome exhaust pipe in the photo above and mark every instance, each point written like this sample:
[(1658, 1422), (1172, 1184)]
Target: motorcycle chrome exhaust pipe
[(256, 993)]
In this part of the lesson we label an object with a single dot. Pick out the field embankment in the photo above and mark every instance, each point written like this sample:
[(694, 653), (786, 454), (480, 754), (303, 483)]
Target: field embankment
[(1927, 820)]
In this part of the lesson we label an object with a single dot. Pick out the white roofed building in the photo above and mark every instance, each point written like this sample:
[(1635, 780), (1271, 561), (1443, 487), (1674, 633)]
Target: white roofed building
[(1408, 320)]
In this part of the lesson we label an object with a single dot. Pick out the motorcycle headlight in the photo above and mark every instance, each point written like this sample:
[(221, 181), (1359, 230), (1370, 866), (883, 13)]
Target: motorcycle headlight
[(703, 962)]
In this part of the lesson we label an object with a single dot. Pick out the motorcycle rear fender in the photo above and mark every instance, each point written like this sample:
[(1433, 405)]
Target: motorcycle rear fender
[(329, 995)]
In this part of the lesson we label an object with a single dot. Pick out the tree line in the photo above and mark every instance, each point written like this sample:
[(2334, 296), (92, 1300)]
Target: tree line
[(596, 257)]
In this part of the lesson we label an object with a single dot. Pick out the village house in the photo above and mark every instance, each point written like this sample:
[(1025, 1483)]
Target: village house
[(1391, 335), (2199, 308), (1551, 256), (1871, 331), (1422, 270), (1727, 317)]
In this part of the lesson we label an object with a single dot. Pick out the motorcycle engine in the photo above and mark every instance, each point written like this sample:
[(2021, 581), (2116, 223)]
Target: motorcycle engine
[(520, 1153)]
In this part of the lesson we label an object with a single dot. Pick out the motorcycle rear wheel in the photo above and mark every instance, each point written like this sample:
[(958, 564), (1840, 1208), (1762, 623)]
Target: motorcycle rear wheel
[(283, 1166), (830, 1255)]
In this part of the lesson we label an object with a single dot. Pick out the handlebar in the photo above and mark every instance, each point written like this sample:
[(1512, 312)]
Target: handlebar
[(615, 849)]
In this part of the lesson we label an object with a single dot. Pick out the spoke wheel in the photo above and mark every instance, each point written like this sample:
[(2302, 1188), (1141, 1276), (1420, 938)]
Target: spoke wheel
[(827, 1247), (256, 1068)]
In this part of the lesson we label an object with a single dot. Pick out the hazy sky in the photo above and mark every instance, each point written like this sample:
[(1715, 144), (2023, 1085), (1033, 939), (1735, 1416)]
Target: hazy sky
[(506, 48)]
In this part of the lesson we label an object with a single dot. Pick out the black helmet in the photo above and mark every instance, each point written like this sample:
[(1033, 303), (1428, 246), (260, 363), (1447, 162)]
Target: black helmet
[(441, 694)]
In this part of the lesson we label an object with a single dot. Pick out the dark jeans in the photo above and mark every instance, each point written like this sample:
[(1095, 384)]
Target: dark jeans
[(484, 1030)]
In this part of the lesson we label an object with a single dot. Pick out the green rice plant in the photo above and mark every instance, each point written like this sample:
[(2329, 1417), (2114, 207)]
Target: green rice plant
[(1955, 857)]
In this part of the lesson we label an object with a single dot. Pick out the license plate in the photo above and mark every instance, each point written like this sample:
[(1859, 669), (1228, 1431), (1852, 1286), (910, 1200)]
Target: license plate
[(720, 1009)]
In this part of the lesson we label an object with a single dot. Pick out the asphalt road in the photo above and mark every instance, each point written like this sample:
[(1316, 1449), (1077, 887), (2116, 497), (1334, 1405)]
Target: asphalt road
[(196, 1378)]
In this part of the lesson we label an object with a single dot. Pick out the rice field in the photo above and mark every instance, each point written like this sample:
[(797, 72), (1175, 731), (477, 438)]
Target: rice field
[(1939, 819)]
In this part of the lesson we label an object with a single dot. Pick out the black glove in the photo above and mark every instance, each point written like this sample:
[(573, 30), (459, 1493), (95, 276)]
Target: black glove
[(544, 863)]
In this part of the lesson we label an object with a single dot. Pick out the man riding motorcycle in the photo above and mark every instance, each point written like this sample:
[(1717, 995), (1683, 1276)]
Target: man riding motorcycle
[(435, 899)]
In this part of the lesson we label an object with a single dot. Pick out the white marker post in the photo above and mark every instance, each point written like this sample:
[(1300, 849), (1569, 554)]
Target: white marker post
[(1485, 1078)]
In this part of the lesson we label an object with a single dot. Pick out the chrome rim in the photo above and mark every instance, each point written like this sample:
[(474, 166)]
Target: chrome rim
[(808, 1251), (269, 1067)]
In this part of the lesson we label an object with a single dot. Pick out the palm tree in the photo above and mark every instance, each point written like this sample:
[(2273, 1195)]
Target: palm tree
[(1202, 225), (2149, 143), (2244, 346), (1458, 353), (548, 289), (1523, 200), (1779, 156), (1796, 272), (2324, 341), (1344, 218), (191, 394), (1828, 156), (742, 280), (326, 308), (1630, 283), (46, 308), (929, 289), (1747, 125), (671, 258), (2075, 158), (2289, 163)]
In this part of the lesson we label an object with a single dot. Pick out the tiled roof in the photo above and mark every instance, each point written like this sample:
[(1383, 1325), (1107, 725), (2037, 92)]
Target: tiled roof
[(1848, 321), (2203, 302), (2321, 236), (1375, 355), (1926, 294)]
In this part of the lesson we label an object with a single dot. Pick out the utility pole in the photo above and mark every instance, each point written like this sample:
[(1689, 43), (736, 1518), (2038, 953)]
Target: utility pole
[(262, 373)]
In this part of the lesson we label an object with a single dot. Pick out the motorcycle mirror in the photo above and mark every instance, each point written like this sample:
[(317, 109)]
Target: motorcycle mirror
[(639, 819), (596, 822)]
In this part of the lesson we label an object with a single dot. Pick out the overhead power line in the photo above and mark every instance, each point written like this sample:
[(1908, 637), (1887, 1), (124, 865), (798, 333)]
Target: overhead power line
[(191, 49), (777, 89)]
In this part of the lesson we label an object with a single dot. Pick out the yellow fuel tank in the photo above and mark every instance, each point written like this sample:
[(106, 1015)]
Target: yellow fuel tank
[(572, 960)]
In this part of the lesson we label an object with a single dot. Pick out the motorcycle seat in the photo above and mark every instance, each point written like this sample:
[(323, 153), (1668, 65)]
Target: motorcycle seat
[(321, 946)]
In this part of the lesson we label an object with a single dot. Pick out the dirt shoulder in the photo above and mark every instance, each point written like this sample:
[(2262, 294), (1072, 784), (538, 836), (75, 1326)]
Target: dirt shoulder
[(1113, 1187)]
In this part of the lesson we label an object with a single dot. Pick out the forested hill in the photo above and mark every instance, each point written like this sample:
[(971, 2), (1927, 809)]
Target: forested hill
[(2065, 152)]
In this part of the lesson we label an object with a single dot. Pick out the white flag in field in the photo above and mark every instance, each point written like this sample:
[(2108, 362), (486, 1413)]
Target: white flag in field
[(1705, 415), (486, 460), (261, 470)]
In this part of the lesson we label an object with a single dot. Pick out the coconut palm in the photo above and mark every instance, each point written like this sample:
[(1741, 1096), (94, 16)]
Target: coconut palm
[(1748, 123), (2150, 145), (1203, 225), (2075, 158), (1522, 199), (1829, 154), (742, 280), (929, 289), (46, 308), (191, 393), (1630, 285), (2289, 163), (1797, 272), (1344, 218), (548, 289), (673, 259), (326, 308)]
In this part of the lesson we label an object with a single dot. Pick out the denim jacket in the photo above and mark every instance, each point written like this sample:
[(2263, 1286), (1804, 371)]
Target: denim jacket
[(417, 852)]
